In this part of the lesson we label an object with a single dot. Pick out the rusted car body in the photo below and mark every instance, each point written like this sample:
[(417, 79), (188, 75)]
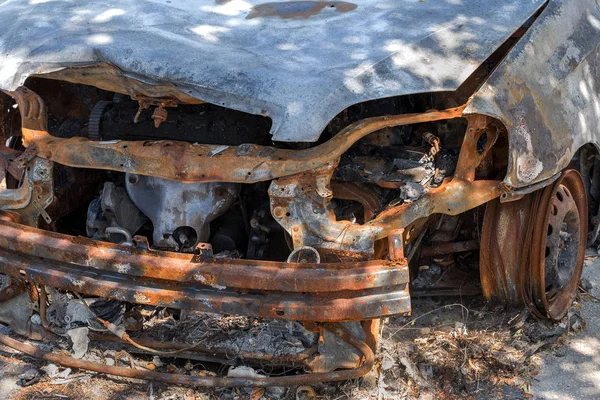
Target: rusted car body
[(295, 160)]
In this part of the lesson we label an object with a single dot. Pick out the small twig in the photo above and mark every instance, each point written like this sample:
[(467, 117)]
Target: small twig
[(510, 321), (536, 347), (431, 312), (589, 294), (380, 384), (121, 353), (150, 392)]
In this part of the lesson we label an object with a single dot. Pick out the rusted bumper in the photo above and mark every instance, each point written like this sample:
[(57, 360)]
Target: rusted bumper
[(316, 292)]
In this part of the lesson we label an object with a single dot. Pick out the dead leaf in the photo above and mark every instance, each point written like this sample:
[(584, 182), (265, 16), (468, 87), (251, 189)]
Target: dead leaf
[(257, 393)]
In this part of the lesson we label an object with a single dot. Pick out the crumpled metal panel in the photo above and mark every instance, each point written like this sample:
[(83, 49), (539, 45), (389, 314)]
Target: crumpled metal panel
[(300, 63), (547, 91), (345, 291)]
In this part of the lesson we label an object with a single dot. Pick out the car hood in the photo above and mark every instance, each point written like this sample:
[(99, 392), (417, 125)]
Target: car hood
[(299, 62)]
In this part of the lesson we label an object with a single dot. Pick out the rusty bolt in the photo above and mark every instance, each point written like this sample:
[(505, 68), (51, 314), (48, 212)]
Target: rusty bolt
[(278, 212), (133, 179), (159, 116)]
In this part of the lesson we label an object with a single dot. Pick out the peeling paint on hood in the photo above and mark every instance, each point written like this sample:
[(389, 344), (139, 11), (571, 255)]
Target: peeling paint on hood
[(300, 70)]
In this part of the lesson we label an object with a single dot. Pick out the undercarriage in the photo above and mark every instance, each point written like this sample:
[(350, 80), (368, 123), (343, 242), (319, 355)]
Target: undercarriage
[(158, 202)]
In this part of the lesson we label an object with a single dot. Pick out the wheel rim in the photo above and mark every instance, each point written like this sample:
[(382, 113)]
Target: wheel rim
[(558, 245), (562, 242), (532, 250)]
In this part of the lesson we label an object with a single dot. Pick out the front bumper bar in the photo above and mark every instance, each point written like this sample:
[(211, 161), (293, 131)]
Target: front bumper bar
[(310, 292)]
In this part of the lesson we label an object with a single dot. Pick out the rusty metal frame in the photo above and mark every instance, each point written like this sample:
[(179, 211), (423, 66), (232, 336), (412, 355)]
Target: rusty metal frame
[(457, 194), (313, 167), (300, 203), (187, 162), (316, 292), (300, 192), (322, 292), (14, 199)]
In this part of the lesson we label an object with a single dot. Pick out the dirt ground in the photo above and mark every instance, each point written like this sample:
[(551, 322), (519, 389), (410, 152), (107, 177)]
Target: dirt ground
[(452, 348), (572, 372)]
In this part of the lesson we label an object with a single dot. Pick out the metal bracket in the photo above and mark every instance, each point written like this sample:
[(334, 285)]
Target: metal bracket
[(509, 193)]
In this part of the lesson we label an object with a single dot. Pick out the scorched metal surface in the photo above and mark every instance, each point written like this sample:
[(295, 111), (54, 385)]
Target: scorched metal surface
[(300, 63)]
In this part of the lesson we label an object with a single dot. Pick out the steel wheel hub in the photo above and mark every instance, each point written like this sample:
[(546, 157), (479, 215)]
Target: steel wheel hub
[(559, 240), (532, 249), (562, 242)]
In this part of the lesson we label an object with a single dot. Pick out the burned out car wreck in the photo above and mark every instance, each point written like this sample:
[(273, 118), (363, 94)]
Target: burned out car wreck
[(292, 161)]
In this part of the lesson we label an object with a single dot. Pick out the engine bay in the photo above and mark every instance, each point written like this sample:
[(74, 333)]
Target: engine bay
[(192, 207), (393, 166)]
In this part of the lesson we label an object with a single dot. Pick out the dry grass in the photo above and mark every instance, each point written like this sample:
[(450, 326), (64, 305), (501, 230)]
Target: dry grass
[(451, 349)]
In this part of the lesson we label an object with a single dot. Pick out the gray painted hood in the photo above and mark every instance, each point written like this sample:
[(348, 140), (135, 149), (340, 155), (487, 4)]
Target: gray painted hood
[(300, 71)]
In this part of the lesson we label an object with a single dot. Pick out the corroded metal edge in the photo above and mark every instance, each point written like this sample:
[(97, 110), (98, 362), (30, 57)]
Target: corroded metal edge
[(316, 292), (188, 162)]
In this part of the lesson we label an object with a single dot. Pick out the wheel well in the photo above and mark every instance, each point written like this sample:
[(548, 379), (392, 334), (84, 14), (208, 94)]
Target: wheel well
[(587, 161)]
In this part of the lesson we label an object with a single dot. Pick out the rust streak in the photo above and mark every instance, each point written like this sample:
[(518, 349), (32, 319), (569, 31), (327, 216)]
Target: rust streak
[(298, 9), (178, 267)]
